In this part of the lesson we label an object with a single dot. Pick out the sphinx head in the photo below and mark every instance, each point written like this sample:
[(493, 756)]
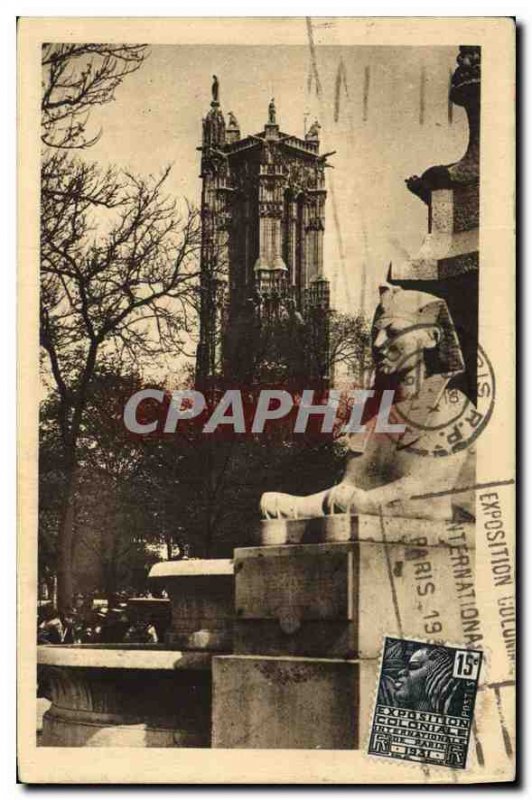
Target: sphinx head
[(413, 333)]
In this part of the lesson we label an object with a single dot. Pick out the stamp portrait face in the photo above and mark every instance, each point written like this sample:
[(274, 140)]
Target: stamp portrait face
[(425, 703)]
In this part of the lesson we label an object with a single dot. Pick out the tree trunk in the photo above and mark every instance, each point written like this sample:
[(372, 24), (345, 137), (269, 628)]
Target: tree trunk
[(66, 539), (65, 545)]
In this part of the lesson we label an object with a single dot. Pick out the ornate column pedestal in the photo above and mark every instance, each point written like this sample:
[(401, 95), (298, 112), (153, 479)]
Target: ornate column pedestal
[(447, 264)]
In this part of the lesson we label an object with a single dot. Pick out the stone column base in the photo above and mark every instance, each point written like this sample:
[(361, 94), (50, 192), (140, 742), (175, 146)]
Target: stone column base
[(291, 703)]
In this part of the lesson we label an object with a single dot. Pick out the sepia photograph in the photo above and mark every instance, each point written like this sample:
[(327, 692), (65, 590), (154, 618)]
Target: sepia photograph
[(267, 340)]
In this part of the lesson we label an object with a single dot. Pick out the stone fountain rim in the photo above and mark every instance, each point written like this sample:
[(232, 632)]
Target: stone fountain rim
[(119, 657)]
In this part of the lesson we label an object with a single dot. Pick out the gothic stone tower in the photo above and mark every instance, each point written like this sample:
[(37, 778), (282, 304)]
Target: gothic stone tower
[(264, 297)]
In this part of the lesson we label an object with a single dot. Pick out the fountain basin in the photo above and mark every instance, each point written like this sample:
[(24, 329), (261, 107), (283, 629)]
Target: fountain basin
[(125, 696), (141, 695)]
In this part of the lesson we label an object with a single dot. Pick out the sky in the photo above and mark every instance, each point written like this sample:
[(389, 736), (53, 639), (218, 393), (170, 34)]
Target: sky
[(400, 129)]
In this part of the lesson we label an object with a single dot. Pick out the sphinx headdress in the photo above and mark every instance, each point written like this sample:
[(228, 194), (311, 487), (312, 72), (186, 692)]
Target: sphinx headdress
[(423, 309)]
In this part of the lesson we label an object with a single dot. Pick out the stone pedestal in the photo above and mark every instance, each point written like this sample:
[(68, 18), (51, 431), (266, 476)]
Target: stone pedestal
[(319, 599), (310, 621), (279, 702), (125, 696), (201, 593), (305, 703)]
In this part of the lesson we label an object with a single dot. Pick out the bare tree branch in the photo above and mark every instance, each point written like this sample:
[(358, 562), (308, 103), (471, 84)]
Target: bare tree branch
[(77, 77), (127, 287)]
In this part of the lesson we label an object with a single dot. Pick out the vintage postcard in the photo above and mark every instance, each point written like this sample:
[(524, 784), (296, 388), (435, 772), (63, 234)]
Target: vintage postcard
[(267, 400)]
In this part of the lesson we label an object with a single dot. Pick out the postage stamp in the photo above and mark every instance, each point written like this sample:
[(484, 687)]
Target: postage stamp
[(425, 703)]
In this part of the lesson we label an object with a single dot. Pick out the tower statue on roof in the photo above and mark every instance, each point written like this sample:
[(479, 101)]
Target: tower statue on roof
[(314, 130), (271, 113), (215, 89)]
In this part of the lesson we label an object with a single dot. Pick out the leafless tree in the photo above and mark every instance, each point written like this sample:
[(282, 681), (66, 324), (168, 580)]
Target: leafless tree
[(124, 290), (118, 256), (77, 77)]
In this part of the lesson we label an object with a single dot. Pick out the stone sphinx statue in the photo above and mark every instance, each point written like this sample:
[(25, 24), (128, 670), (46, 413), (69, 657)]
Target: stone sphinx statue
[(416, 353)]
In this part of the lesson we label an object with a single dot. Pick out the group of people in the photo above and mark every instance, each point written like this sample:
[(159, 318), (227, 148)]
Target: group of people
[(92, 620)]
